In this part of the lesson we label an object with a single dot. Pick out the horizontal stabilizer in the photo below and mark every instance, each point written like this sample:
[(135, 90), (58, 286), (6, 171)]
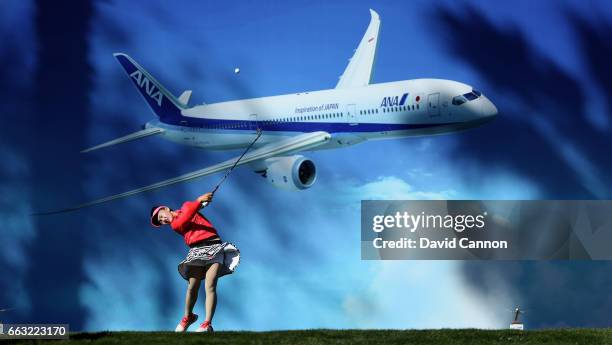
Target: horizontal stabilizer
[(130, 137)]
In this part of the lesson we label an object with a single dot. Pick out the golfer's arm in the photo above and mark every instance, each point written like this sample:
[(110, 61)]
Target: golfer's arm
[(188, 210)]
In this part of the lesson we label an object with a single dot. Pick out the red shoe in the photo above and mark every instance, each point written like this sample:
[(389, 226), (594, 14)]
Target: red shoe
[(206, 326), (186, 322)]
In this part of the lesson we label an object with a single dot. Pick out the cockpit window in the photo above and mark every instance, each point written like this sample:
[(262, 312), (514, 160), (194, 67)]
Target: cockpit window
[(459, 100), (470, 96)]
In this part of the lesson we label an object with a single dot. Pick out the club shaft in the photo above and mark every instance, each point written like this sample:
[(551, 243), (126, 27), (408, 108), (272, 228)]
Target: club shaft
[(235, 163)]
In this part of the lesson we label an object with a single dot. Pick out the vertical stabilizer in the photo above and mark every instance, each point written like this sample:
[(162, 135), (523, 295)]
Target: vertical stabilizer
[(159, 99)]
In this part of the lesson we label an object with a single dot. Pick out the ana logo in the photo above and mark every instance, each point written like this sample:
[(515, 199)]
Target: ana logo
[(394, 100), (149, 87)]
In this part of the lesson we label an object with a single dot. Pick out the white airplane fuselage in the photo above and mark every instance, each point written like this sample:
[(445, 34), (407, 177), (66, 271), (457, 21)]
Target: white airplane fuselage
[(354, 111), (378, 111)]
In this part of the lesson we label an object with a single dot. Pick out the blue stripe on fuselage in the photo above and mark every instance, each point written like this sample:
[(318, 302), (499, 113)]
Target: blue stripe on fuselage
[(269, 126)]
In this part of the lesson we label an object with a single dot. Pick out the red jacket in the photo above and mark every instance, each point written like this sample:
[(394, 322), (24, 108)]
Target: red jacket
[(191, 224)]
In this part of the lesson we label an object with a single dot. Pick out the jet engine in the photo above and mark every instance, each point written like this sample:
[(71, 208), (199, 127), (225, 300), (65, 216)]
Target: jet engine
[(292, 173)]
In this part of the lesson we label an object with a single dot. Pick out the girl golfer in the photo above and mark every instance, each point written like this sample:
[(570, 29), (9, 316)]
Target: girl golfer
[(208, 259)]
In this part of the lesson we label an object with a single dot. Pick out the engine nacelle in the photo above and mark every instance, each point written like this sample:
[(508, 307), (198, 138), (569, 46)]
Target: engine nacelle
[(292, 173)]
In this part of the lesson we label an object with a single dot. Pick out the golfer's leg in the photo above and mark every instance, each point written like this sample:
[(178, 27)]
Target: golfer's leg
[(210, 284), (192, 289)]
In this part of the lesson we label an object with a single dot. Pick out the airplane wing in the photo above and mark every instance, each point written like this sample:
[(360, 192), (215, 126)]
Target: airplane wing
[(295, 144), (360, 69)]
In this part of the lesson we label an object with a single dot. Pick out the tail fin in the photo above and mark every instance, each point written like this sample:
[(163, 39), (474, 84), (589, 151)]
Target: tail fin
[(159, 99)]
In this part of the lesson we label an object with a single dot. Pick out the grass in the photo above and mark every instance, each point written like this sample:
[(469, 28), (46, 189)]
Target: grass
[(316, 337)]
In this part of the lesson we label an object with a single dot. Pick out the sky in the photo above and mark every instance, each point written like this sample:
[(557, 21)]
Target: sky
[(544, 64)]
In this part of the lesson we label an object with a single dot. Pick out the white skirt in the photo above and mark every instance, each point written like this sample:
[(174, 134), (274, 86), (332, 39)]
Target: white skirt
[(224, 253)]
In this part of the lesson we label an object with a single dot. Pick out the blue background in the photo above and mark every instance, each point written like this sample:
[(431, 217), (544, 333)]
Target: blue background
[(545, 64)]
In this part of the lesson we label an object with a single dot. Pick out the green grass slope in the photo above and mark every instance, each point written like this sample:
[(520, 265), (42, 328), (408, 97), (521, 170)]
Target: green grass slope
[(321, 337)]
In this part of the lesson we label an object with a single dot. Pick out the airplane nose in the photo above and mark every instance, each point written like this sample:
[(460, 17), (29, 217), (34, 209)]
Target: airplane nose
[(487, 108)]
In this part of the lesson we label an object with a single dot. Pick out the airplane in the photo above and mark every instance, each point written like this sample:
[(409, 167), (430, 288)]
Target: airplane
[(355, 111)]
